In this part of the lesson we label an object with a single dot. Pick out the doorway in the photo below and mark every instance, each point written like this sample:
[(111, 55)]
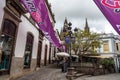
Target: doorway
[(39, 54), (45, 55), (7, 39)]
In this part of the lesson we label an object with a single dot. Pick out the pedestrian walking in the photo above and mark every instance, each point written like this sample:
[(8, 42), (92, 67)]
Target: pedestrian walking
[(64, 65)]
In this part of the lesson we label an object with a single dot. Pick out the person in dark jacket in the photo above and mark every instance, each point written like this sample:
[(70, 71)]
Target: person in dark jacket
[(64, 65)]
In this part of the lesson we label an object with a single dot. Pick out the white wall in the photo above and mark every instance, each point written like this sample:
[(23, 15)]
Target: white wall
[(45, 42), (24, 27), (2, 5), (112, 45)]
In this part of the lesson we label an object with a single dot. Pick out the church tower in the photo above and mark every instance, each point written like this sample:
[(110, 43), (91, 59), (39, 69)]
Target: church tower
[(86, 26), (65, 26)]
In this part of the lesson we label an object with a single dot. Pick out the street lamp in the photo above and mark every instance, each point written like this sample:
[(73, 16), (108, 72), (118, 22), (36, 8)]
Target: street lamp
[(69, 39), (70, 36)]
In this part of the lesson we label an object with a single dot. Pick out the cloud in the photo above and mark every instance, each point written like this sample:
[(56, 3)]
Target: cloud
[(76, 11)]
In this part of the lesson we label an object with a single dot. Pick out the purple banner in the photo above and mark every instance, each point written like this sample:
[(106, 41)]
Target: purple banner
[(39, 13), (111, 10)]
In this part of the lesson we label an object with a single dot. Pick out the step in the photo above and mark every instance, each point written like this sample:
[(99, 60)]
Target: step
[(79, 74)]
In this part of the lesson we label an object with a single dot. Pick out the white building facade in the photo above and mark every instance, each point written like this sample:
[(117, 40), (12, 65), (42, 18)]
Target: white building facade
[(48, 49), (110, 44), (110, 47), (23, 46)]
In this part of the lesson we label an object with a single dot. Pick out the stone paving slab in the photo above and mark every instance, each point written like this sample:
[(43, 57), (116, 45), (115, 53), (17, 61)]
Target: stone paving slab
[(5, 77), (56, 74), (49, 73), (115, 76), (45, 74)]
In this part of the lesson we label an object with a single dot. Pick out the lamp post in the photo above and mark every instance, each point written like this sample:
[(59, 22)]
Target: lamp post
[(70, 36), (69, 39)]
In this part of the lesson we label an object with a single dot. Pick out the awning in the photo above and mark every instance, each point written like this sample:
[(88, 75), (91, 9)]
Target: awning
[(105, 56), (62, 54)]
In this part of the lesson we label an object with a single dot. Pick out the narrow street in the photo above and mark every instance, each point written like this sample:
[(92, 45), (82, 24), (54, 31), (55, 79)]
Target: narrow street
[(82, 37), (46, 73), (52, 73)]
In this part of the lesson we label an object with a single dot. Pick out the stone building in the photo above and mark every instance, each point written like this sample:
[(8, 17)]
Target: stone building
[(21, 41)]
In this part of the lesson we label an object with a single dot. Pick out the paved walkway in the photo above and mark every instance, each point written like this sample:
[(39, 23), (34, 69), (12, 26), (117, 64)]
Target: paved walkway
[(49, 73), (45, 74), (5, 77), (115, 76)]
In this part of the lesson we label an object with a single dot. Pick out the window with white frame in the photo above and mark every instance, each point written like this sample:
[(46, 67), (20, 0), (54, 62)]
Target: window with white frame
[(105, 46)]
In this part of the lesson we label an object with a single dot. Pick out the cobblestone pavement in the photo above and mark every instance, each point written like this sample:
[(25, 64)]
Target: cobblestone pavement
[(5, 77), (115, 76), (49, 73), (45, 74)]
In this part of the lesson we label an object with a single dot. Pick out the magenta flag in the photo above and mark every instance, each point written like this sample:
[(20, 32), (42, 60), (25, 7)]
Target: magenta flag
[(39, 13), (111, 10)]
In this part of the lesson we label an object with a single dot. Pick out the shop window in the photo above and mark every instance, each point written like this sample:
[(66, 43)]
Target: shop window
[(6, 44), (28, 51)]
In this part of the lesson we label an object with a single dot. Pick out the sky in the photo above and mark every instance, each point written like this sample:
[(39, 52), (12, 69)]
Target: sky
[(76, 11)]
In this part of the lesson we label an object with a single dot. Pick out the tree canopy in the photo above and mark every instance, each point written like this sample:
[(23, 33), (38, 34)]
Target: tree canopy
[(85, 42)]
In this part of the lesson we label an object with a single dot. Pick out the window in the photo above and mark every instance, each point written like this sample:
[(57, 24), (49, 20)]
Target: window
[(6, 44), (28, 51), (105, 46), (117, 48)]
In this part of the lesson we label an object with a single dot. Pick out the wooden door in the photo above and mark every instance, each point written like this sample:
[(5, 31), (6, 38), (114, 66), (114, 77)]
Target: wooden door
[(39, 54), (45, 56)]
